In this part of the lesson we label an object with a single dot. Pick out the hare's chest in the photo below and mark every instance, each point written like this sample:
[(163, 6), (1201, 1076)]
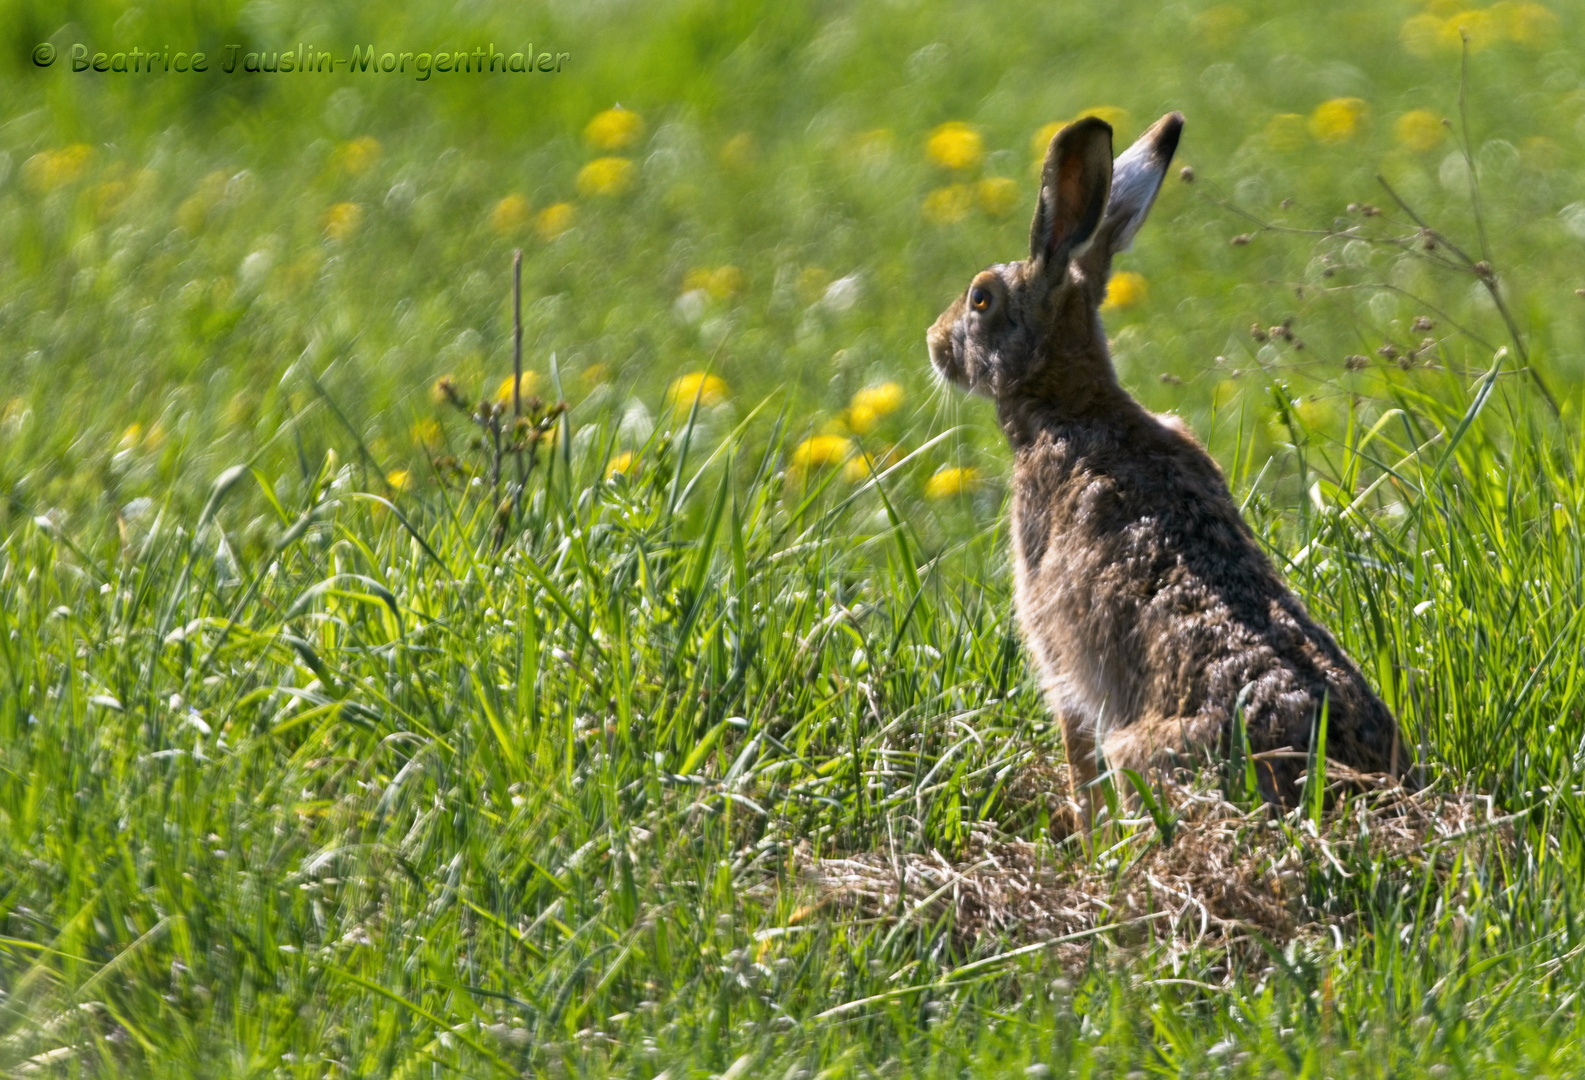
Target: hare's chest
[(1050, 599)]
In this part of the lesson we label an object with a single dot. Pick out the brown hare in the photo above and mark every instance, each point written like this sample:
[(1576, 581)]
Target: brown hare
[(1151, 611)]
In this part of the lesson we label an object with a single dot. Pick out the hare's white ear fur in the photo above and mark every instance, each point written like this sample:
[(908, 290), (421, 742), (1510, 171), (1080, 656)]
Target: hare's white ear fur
[(1074, 185), (1136, 178)]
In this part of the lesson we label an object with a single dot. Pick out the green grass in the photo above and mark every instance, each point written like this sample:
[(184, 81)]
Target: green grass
[(300, 776)]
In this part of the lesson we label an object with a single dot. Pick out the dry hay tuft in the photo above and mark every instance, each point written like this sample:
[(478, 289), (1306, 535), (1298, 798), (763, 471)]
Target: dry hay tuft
[(1229, 874)]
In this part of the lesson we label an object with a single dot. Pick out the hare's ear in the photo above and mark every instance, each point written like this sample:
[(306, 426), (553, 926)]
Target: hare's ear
[(1136, 178), (1073, 187)]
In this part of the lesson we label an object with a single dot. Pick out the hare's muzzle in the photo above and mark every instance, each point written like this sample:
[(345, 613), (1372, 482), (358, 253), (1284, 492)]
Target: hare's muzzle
[(946, 352)]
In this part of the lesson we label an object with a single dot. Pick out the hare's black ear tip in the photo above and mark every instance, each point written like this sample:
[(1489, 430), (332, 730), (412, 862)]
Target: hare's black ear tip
[(1168, 130)]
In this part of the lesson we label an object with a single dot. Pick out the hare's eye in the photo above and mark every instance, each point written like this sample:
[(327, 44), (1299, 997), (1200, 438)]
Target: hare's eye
[(979, 298)]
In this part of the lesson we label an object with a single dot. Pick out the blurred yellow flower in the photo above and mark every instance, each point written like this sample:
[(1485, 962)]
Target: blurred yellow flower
[(614, 129), (503, 393), (1419, 129), (427, 432), (1124, 290), (1285, 132), (950, 480), (342, 220), (812, 283), (107, 196), (708, 389), (438, 389), (1478, 24), (130, 437), (595, 375), (50, 169), (819, 451), (874, 402), (606, 176), (1423, 35), (739, 151), (943, 206), (722, 282), (1040, 142), (1338, 120), (554, 220), (1118, 118), (400, 479), (1427, 35), (955, 145), (623, 463), (509, 215), (860, 466), (1526, 23), (358, 156), (998, 195)]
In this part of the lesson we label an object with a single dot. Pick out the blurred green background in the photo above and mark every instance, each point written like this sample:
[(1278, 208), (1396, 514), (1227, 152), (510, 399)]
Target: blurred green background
[(180, 255), (299, 785)]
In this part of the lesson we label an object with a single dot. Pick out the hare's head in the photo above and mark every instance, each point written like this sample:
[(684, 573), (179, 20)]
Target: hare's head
[(1029, 331)]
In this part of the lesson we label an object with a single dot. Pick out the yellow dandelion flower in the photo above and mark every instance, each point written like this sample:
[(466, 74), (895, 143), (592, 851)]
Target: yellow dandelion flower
[(955, 145), (606, 176), (881, 400), (1526, 23), (860, 466), (1339, 120), (1423, 35), (1040, 142), (622, 464), (503, 393), (740, 151), (400, 479), (342, 220), (156, 436), (614, 129), (509, 215), (725, 281), (130, 437), (1419, 129), (554, 220), (1118, 118), (427, 432), (1483, 30), (949, 481), (358, 156), (708, 389), (949, 204), (1124, 290), (722, 282), (812, 283), (860, 419), (818, 451), (438, 389), (107, 196), (595, 375), (50, 169), (998, 195)]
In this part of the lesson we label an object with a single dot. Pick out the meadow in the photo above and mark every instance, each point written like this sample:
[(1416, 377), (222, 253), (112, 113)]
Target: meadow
[(357, 719)]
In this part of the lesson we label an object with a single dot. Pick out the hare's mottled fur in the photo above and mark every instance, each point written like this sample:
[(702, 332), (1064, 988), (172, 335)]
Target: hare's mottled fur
[(1149, 606)]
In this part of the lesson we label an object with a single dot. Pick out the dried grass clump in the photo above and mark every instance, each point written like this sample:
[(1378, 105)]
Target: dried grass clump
[(1228, 874)]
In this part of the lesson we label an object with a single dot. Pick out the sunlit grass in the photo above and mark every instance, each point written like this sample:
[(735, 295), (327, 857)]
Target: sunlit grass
[(310, 764)]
